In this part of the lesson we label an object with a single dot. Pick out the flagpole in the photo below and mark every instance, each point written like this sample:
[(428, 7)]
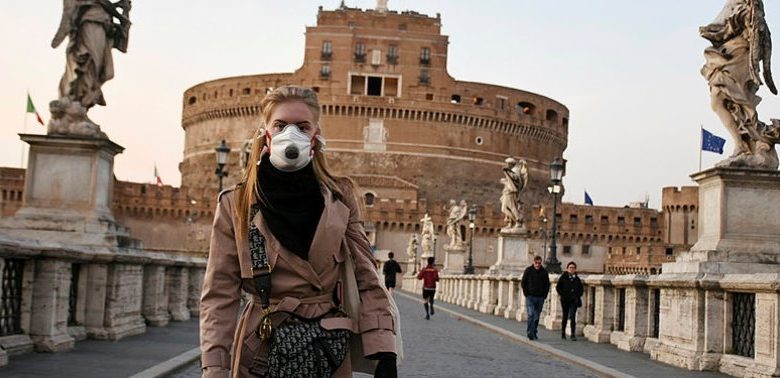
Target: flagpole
[(24, 128), (701, 141)]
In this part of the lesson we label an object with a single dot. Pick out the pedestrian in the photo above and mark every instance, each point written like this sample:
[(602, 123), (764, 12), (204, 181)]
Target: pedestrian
[(570, 290), (536, 286), (429, 275), (390, 269), (283, 235)]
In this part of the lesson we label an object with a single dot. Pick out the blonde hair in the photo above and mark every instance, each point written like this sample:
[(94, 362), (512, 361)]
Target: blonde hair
[(248, 191)]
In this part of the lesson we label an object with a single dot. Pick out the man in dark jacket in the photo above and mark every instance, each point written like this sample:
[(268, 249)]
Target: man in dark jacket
[(390, 269), (570, 290), (536, 286)]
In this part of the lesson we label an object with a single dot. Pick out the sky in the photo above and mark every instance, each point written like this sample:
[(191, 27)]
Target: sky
[(627, 70)]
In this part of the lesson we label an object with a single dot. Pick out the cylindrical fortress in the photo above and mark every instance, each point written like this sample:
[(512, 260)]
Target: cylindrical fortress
[(389, 108)]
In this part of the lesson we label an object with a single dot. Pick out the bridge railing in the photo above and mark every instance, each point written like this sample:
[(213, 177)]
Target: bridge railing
[(53, 296), (726, 322)]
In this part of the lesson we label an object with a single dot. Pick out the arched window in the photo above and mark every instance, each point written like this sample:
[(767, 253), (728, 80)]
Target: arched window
[(369, 198), (552, 115), (526, 108)]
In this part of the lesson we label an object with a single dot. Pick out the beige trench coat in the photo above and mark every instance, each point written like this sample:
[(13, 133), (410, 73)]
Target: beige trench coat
[(304, 287)]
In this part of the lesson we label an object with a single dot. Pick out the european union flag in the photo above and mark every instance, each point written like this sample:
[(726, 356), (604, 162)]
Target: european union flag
[(588, 200), (711, 142)]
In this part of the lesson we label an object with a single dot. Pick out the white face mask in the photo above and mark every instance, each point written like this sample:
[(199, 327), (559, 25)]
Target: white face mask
[(290, 149)]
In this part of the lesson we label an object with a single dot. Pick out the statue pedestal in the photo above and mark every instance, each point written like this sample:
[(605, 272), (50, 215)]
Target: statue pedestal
[(739, 230), (513, 252), (739, 238), (454, 259), (68, 193)]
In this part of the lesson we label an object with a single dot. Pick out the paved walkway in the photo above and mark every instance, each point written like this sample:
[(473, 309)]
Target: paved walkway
[(456, 342), (124, 358)]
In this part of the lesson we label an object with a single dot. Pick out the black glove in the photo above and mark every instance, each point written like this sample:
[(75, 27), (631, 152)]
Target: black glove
[(386, 368)]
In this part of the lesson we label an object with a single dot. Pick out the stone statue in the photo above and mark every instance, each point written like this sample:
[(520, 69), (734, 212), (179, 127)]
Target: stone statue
[(92, 33), (427, 236), (457, 214), (515, 180), (740, 41), (243, 156), (411, 248)]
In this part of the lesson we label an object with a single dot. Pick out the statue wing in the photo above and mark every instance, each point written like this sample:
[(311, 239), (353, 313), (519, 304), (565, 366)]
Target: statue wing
[(760, 45), (66, 23)]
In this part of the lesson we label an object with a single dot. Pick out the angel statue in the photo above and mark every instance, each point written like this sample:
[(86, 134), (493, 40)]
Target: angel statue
[(411, 248), (457, 214), (92, 33), (740, 41), (427, 236), (515, 180)]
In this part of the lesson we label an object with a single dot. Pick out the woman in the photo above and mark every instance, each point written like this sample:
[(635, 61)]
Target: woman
[(570, 289), (282, 236)]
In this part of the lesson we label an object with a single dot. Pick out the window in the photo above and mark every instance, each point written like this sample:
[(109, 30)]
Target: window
[(653, 222), (621, 221), (589, 219), (360, 52), (325, 71), (376, 57), (246, 91), (637, 222), (192, 100), (425, 56), (392, 54), (604, 219), (327, 50), (425, 77), (551, 115), (455, 99), (369, 199), (669, 251), (429, 96), (526, 108), (638, 250), (362, 85), (586, 249), (573, 218), (567, 250), (478, 101), (500, 102), (624, 251)]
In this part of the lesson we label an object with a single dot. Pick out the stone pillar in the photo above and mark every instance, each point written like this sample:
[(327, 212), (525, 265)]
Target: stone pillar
[(767, 349), (123, 303), (512, 298), (682, 326), (95, 311), (502, 295), (489, 295), (195, 286), (632, 338), (473, 296), (513, 253), (454, 259), (553, 311), (155, 299), (604, 314), (49, 327), (522, 313), (177, 280)]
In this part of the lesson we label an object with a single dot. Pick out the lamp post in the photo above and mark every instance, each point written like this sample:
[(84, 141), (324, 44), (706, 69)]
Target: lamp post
[(556, 176), (544, 234), (223, 151), (472, 214)]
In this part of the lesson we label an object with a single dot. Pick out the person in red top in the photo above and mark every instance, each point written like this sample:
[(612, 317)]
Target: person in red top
[(429, 275)]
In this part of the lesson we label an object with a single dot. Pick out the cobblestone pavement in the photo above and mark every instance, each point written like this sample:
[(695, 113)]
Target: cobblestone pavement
[(447, 347)]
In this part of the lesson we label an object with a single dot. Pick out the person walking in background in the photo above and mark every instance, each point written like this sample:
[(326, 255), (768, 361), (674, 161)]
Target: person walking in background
[(536, 286), (390, 269), (429, 275), (570, 289)]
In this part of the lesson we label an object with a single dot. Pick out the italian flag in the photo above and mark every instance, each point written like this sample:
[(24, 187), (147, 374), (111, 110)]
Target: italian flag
[(31, 109), (157, 176)]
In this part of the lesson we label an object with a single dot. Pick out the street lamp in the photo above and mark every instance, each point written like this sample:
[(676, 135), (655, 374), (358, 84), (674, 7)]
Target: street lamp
[(469, 269), (223, 151), (556, 176), (543, 230)]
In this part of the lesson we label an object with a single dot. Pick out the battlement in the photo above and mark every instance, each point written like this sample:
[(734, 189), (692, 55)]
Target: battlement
[(683, 198)]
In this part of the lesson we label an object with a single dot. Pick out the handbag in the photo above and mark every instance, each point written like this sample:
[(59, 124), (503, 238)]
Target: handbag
[(351, 305), (302, 348)]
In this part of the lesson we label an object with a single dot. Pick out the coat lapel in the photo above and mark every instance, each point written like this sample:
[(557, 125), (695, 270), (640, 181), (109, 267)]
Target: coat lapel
[(330, 232)]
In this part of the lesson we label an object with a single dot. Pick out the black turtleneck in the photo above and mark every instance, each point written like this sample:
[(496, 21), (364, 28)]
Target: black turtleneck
[(292, 204)]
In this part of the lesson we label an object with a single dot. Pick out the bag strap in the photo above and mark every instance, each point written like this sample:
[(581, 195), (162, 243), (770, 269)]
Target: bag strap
[(261, 269)]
